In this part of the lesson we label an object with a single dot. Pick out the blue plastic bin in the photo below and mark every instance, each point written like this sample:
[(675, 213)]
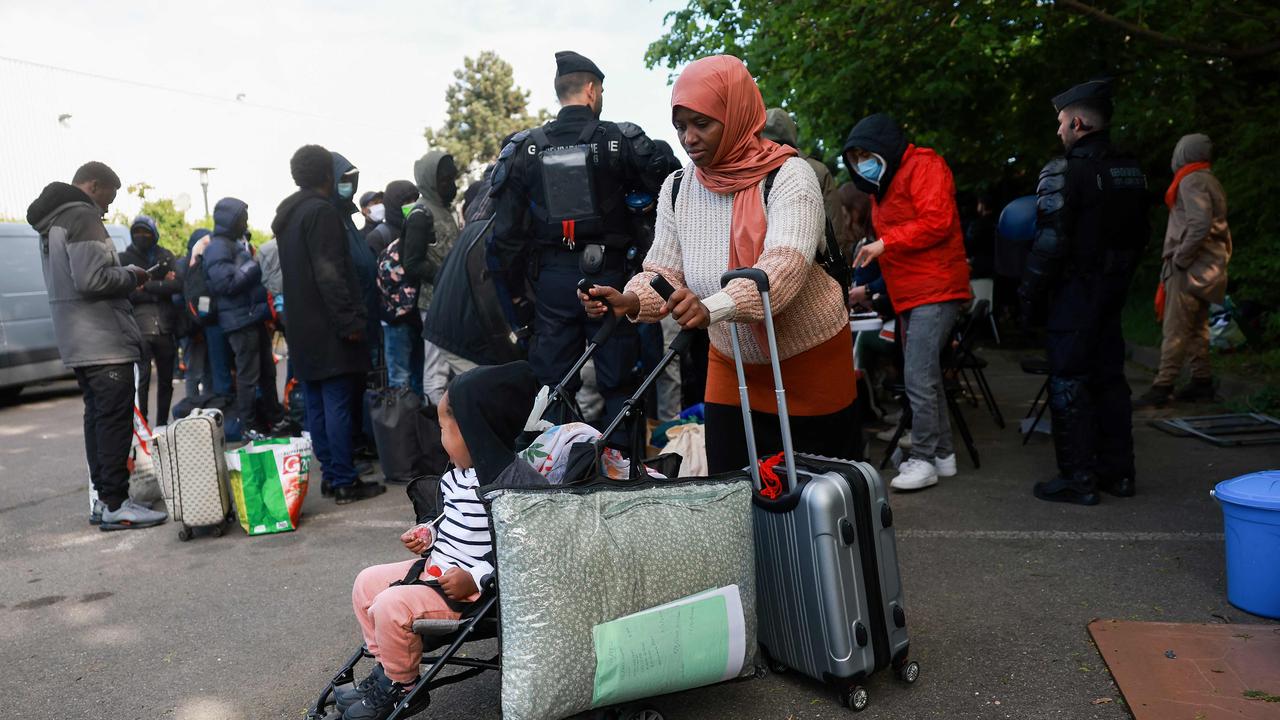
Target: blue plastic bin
[(1251, 519)]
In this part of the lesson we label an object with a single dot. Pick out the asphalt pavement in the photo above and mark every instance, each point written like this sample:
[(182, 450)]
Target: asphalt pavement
[(999, 588)]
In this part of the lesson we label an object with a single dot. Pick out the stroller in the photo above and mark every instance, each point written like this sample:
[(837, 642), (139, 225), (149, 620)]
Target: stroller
[(443, 640)]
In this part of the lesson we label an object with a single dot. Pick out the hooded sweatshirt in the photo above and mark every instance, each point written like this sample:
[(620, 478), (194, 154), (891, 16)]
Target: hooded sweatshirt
[(430, 229), (363, 260), (1198, 240), (780, 128), (153, 306), (235, 278), (87, 286), (398, 194), (913, 207)]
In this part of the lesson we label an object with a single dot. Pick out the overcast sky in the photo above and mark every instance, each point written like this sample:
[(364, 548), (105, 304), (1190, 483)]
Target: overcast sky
[(362, 78)]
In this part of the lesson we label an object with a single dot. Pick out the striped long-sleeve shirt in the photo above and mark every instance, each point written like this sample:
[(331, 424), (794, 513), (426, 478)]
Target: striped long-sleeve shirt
[(463, 539)]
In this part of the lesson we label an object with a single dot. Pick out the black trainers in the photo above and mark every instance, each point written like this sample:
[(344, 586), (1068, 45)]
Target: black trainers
[(358, 490), (380, 701), (345, 697), (1120, 487), (1062, 490), (1157, 396), (1196, 391)]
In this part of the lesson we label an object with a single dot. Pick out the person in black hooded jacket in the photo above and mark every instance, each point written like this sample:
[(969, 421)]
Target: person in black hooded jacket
[(401, 323), (398, 194), (156, 314), (328, 318)]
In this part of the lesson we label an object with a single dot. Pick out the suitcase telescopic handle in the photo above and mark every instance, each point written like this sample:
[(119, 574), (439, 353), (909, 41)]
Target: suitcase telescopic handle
[(761, 281)]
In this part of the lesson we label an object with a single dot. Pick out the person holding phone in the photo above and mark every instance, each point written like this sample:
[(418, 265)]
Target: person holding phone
[(721, 220), (156, 314)]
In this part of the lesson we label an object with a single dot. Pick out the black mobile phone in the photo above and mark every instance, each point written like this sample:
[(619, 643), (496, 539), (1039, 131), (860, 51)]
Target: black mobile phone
[(662, 287)]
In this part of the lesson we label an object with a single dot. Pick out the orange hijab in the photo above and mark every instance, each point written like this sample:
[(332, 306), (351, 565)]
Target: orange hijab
[(720, 87)]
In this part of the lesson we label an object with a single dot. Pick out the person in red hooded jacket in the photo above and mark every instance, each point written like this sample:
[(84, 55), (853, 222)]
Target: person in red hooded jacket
[(921, 254)]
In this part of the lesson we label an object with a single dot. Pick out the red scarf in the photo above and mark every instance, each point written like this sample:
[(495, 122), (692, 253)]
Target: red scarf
[(1171, 195)]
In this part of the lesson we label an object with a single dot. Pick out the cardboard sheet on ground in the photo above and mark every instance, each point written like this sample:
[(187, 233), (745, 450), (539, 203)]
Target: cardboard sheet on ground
[(1177, 670), (686, 643)]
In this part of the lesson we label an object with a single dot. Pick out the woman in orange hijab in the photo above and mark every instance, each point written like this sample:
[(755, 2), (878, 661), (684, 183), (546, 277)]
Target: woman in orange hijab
[(721, 220)]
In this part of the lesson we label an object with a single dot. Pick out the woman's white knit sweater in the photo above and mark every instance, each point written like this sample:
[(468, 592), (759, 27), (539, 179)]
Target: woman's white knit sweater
[(691, 249)]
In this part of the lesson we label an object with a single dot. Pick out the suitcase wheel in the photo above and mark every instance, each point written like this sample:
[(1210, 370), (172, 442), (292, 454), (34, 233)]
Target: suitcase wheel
[(645, 714), (217, 530), (184, 533), (855, 698), (909, 673), (762, 672)]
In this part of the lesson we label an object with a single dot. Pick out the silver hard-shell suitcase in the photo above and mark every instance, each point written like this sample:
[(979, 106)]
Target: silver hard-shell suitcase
[(829, 595), (191, 462)]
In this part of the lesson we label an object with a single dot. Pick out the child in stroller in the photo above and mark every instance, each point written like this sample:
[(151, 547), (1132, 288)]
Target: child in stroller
[(480, 417)]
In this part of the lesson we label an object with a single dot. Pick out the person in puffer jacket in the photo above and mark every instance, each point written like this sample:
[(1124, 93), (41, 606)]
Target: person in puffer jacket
[(235, 279), (921, 253)]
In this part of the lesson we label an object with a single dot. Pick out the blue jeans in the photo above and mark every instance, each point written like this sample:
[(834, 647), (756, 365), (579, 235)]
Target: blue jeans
[(331, 419), (406, 355), (219, 359)]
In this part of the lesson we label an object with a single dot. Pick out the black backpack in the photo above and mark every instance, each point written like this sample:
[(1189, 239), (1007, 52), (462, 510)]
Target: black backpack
[(201, 305), (829, 257)]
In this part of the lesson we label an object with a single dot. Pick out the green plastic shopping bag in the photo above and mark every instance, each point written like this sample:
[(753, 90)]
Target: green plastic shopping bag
[(269, 481)]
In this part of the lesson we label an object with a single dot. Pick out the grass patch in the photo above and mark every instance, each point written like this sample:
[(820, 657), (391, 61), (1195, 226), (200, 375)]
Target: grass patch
[(1263, 696)]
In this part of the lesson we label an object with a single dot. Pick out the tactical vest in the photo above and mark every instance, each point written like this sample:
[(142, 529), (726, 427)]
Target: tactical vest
[(570, 206)]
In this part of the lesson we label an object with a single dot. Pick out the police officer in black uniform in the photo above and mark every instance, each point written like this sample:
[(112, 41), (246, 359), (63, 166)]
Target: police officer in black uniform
[(561, 212), (1091, 226)]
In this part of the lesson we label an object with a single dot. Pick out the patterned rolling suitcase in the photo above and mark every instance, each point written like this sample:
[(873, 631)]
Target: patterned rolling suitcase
[(829, 594), (191, 461)]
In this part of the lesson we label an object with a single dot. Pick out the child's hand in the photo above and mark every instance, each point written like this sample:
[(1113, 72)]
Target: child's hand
[(416, 540), (458, 584)]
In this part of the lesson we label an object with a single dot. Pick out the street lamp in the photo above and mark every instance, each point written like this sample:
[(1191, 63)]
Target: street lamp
[(204, 185)]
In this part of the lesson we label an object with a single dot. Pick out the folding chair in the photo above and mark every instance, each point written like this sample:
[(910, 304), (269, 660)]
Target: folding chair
[(1035, 366), (965, 362)]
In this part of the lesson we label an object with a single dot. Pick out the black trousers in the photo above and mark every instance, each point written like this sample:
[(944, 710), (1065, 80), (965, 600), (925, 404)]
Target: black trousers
[(161, 350), (108, 428), (255, 376), (838, 435), (1089, 398)]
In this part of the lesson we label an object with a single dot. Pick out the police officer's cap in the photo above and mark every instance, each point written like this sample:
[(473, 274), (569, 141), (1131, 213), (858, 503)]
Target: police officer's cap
[(1095, 92), (569, 62)]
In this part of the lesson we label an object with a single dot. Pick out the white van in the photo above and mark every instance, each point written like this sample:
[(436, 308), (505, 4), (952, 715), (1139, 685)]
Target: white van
[(28, 352)]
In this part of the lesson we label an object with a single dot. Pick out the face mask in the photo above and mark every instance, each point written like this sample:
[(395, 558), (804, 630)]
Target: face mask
[(406, 209), (377, 213), (346, 191), (870, 169)]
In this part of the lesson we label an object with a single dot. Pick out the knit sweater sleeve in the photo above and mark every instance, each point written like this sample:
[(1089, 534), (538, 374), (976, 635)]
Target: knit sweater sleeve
[(664, 258), (795, 216)]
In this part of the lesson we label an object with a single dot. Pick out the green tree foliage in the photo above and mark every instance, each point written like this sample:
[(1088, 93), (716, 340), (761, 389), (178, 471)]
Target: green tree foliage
[(973, 79), (485, 105)]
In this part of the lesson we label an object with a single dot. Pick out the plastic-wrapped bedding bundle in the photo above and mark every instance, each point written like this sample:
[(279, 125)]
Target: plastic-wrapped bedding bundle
[(572, 558)]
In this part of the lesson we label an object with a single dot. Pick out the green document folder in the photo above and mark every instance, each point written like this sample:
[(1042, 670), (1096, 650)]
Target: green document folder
[(687, 643)]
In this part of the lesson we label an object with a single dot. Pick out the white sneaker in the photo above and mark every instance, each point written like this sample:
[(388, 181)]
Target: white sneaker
[(915, 474), (946, 466)]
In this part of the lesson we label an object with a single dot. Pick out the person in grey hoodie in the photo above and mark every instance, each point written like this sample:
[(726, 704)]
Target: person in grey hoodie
[(97, 336), (429, 233)]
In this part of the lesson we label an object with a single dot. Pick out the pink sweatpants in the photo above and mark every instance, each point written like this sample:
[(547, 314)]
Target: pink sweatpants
[(386, 616)]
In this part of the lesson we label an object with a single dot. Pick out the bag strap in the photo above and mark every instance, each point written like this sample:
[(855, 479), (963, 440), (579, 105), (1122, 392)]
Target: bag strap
[(588, 131), (768, 183), (675, 186), (540, 139)]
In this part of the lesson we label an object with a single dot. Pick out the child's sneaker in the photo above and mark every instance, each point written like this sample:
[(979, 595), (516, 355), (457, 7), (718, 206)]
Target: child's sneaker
[(915, 474), (344, 697), (946, 466), (380, 701)]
